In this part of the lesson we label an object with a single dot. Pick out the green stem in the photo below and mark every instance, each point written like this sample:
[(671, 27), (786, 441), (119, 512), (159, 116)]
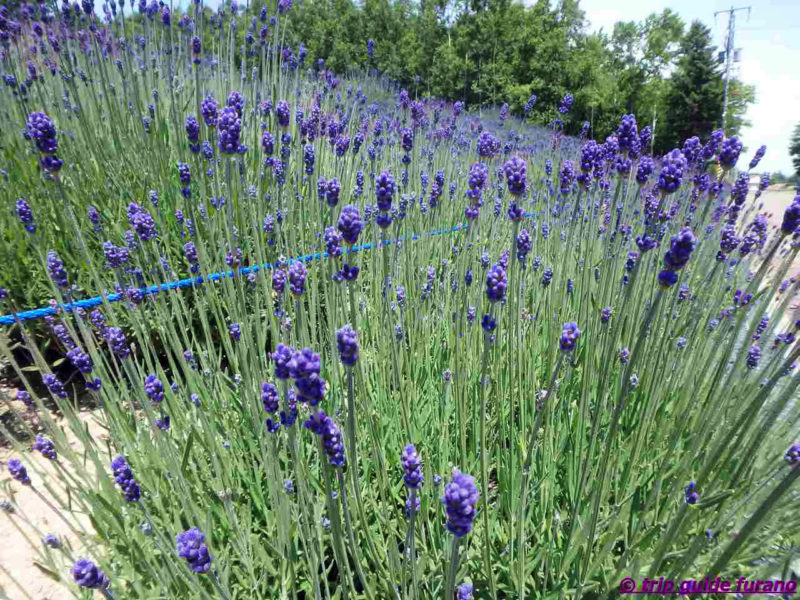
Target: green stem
[(451, 576), (753, 522)]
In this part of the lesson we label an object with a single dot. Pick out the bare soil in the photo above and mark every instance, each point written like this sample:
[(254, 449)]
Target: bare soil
[(21, 531)]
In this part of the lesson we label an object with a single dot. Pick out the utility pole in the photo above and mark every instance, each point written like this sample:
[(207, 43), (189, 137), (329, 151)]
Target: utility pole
[(729, 51)]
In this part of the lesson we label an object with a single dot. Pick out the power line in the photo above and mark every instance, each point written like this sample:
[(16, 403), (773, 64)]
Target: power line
[(729, 50)]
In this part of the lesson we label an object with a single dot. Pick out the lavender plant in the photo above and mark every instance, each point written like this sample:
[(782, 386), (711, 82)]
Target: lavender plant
[(278, 330)]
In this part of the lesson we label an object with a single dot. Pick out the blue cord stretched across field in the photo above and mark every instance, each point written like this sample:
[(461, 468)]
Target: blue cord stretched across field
[(39, 313)]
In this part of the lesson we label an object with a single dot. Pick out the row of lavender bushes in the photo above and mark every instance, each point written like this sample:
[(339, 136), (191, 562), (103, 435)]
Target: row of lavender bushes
[(520, 365)]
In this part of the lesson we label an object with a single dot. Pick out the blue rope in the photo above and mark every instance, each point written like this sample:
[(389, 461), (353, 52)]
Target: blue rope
[(39, 313)]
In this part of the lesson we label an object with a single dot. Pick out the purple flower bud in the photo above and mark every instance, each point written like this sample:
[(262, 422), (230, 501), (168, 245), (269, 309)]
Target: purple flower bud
[(25, 215), (56, 270), (729, 154), (347, 344), (123, 476), (690, 494), (757, 157), (791, 217), (191, 547), (384, 190), (297, 278), (412, 468), (18, 471), (459, 499), (792, 455), (569, 336), (208, 108), (323, 426), (283, 111), (269, 397), (515, 170), (672, 169), (567, 177), (681, 247), (624, 356), (87, 575), (55, 386), (496, 283), (464, 592), (154, 389), (282, 357), (42, 131), (230, 128), (350, 224)]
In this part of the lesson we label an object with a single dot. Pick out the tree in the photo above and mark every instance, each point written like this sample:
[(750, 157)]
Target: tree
[(694, 101), (740, 96), (794, 149)]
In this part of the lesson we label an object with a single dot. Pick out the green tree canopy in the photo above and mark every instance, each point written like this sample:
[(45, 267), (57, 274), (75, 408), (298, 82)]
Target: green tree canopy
[(694, 101)]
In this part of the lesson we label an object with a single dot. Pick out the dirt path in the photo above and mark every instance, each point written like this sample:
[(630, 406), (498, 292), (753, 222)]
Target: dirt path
[(21, 531)]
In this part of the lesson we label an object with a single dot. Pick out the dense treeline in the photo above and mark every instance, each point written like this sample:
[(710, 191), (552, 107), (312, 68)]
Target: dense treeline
[(488, 52)]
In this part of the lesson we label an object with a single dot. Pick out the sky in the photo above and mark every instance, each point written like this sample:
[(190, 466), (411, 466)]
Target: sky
[(770, 60)]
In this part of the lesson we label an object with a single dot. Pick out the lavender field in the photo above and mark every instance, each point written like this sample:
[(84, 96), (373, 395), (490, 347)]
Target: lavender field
[(343, 340)]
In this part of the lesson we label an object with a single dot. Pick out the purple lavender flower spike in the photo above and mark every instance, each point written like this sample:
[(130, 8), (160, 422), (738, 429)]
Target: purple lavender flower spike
[(690, 493), (191, 546), (673, 166), (279, 280), (270, 397), (412, 468), (209, 108), (569, 336), (753, 356), (347, 344), (459, 499), (792, 455), (230, 128), (729, 153), (791, 217), (45, 447), (55, 267), (123, 476), (667, 278), (283, 111), (496, 283), (18, 471), (282, 357), (25, 215), (757, 157), (322, 425), (349, 224), (88, 575), (236, 101), (55, 386), (515, 170), (42, 131), (566, 104), (464, 592), (681, 247), (384, 190), (154, 389), (297, 278), (566, 177)]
